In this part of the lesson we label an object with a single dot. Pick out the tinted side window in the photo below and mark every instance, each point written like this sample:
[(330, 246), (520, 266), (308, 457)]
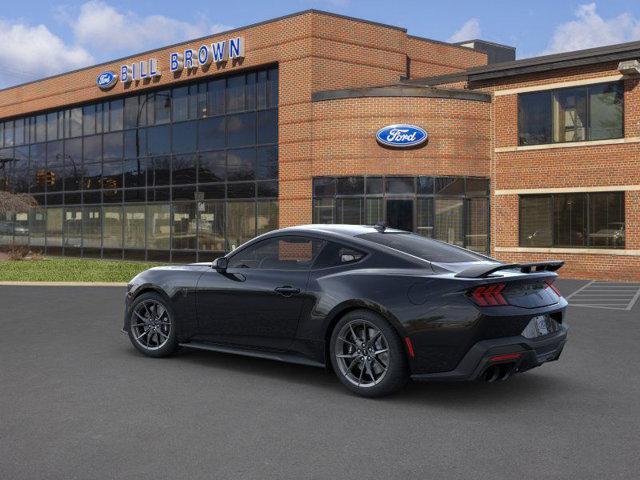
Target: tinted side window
[(334, 254), (280, 253)]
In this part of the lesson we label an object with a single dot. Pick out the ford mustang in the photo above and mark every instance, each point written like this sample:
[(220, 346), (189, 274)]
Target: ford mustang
[(376, 305)]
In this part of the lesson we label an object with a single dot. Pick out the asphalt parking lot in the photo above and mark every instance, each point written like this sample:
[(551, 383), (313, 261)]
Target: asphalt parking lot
[(77, 401)]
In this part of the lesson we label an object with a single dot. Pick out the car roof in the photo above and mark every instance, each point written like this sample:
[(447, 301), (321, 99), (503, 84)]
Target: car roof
[(336, 229)]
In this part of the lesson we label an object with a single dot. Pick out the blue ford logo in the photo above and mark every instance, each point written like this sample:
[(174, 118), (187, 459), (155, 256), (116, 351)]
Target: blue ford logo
[(401, 136), (106, 80)]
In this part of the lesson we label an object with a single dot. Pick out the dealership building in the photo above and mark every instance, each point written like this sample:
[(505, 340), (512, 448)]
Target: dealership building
[(184, 152)]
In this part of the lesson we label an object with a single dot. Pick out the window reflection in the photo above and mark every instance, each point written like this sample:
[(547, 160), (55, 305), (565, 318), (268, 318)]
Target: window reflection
[(241, 223), (92, 227), (134, 227), (104, 169), (158, 226), (211, 227), (184, 226)]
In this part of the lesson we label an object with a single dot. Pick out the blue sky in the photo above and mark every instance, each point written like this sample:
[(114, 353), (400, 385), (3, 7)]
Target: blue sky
[(43, 37)]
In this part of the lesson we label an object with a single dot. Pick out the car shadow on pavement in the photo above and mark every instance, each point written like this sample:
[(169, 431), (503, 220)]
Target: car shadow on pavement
[(522, 388)]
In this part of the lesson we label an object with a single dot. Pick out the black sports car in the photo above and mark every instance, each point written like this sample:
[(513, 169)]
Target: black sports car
[(377, 305)]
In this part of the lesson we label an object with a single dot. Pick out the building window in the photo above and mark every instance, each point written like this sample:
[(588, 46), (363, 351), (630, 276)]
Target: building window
[(578, 114), (160, 176), (452, 209), (573, 220)]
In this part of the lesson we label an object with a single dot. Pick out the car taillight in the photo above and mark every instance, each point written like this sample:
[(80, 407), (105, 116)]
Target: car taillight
[(488, 295), (553, 287)]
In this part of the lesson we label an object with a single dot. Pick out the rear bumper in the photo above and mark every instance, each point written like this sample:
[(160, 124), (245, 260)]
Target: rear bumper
[(533, 353)]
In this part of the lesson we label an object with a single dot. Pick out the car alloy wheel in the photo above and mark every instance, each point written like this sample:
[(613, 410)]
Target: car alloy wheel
[(151, 324), (362, 353)]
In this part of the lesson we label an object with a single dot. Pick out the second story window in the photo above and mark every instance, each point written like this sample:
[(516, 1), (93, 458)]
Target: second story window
[(593, 112)]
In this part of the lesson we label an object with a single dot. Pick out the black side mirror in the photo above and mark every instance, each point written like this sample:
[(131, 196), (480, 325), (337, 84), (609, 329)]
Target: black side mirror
[(220, 264)]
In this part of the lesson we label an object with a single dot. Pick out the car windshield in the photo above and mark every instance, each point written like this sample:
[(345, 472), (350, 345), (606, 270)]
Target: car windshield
[(425, 248)]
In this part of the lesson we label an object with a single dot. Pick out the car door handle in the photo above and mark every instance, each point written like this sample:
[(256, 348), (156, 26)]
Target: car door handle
[(287, 290)]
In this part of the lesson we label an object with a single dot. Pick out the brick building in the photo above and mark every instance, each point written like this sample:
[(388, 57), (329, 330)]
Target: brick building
[(183, 152)]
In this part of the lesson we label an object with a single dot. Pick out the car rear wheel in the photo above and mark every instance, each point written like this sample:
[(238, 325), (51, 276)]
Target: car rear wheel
[(152, 328), (367, 354)]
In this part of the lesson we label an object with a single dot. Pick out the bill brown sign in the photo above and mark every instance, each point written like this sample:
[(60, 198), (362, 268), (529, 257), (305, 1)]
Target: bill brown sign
[(189, 59)]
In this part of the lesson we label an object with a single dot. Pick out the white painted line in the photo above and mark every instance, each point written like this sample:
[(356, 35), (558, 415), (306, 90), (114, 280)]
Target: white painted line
[(614, 287), (598, 306), (63, 284), (579, 290), (609, 294), (634, 300), (617, 304)]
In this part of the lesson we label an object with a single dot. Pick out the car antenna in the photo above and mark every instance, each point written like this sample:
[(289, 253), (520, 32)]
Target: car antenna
[(380, 226)]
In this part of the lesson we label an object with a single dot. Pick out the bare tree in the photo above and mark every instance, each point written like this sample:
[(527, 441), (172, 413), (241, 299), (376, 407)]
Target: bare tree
[(16, 202)]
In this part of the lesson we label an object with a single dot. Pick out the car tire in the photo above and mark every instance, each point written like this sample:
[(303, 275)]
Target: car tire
[(367, 354), (151, 325)]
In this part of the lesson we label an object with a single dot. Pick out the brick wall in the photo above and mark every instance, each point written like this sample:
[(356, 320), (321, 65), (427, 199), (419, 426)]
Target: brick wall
[(430, 58), (615, 164), (343, 143)]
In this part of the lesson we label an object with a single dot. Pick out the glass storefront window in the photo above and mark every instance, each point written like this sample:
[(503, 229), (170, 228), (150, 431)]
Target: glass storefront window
[(21, 228), (102, 170), (134, 226), (211, 226), (112, 227), (92, 227), (323, 210), (37, 226), (449, 215), (349, 211), (6, 228), (374, 211), (267, 216), (424, 217), (72, 232), (184, 226), (477, 234), (158, 226), (400, 185), (573, 220), (241, 223), (452, 209)]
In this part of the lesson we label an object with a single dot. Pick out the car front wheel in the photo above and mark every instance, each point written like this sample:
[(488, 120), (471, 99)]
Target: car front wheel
[(152, 328), (367, 354)]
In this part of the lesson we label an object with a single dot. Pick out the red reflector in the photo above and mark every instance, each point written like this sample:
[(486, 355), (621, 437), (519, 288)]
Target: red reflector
[(489, 295), (407, 340), (507, 356), (553, 287)]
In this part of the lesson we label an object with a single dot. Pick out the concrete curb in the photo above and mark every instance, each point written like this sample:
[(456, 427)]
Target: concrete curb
[(63, 284)]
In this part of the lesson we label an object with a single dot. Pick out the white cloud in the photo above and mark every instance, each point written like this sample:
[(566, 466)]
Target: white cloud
[(469, 31), (591, 30), (104, 29), (28, 52)]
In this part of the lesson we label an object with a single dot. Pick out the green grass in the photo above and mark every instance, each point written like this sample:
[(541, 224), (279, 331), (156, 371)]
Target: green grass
[(70, 270)]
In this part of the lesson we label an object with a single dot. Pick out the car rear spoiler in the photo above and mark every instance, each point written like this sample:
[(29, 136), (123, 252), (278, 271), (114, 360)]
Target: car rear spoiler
[(481, 271)]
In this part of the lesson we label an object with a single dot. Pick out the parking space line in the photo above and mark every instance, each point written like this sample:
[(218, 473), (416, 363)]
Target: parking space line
[(579, 290), (634, 300), (596, 306), (610, 296)]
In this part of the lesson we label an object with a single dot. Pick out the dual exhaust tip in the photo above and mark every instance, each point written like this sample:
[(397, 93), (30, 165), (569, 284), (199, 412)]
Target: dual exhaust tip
[(498, 373)]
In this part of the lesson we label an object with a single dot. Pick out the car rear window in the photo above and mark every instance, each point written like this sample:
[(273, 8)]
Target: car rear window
[(425, 248)]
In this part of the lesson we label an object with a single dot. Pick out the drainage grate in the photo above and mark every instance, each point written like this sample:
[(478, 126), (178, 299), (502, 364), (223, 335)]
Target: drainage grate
[(612, 296)]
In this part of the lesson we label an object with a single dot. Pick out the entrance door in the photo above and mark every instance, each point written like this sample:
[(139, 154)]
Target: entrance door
[(400, 214)]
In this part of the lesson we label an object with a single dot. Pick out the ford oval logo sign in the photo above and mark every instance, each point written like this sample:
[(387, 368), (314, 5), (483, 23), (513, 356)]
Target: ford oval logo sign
[(401, 136), (106, 80)]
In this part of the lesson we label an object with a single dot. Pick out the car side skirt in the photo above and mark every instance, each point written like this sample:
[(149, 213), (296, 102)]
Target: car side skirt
[(287, 357)]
